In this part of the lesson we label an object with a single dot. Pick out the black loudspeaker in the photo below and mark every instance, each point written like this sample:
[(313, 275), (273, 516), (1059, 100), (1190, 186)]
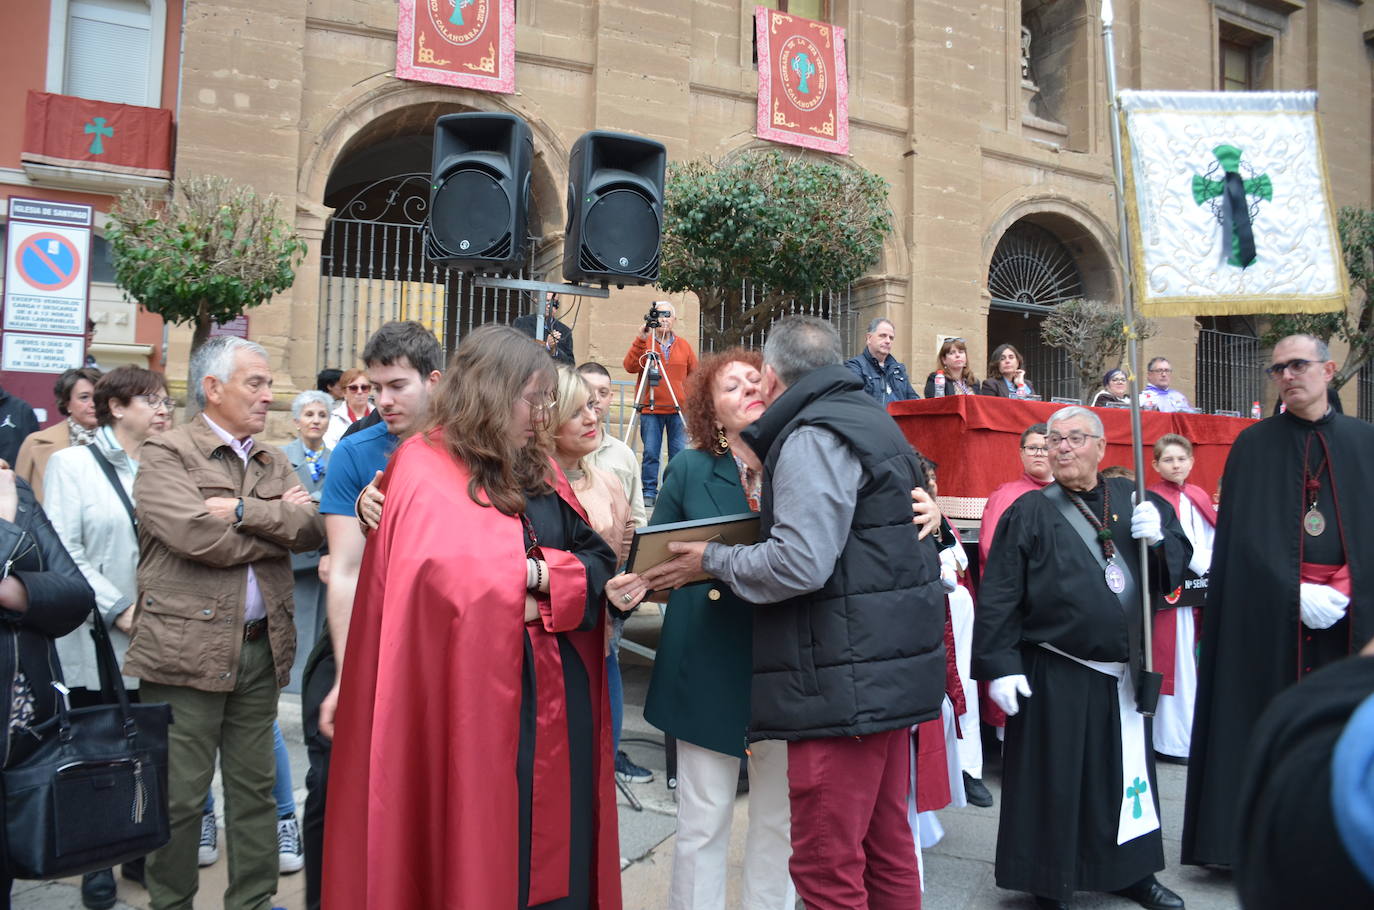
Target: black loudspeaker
[(615, 209), (479, 192)]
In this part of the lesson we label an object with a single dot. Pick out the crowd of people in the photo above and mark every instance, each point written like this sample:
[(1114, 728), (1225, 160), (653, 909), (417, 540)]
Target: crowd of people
[(453, 541)]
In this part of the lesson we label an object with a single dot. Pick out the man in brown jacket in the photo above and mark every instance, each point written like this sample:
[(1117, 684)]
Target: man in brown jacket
[(219, 515)]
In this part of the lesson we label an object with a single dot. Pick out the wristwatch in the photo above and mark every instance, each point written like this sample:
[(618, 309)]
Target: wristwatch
[(238, 512)]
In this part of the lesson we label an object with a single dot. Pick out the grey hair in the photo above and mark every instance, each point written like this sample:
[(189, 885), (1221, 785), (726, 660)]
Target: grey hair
[(216, 358), (873, 326), (1323, 350), (1154, 360), (311, 396), (1072, 411), (797, 345)]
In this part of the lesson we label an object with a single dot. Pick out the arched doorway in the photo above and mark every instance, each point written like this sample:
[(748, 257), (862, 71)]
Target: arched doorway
[(1041, 261), (372, 263)]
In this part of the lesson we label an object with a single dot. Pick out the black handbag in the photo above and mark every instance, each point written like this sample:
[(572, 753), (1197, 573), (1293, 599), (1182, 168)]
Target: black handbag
[(93, 793)]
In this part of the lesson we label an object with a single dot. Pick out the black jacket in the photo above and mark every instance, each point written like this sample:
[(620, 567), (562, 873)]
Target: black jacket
[(884, 384), (866, 652), (17, 421), (59, 601)]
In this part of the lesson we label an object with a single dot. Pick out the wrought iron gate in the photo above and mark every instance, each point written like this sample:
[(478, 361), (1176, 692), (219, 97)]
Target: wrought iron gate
[(1228, 371), (837, 307), (373, 270)]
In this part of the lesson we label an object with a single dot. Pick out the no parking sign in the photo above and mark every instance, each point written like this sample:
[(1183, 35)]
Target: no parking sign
[(46, 278)]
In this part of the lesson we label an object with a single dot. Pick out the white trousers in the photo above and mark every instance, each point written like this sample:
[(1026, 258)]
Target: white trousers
[(961, 620), (706, 784), (1174, 716)]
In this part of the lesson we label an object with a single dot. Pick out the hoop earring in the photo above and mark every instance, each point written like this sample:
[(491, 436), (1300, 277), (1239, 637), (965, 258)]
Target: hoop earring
[(722, 444)]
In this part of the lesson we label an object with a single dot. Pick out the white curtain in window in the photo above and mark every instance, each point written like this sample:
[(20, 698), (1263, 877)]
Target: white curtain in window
[(107, 51)]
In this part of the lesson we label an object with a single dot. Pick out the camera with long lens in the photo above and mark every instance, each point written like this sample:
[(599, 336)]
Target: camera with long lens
[(655, 317)]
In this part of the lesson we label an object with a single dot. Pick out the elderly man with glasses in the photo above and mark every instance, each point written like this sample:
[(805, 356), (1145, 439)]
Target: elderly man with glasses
[(1291, 588), (1157, 396), (1058, 636)]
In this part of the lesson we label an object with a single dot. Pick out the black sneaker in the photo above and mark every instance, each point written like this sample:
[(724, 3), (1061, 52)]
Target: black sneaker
[(976, 792), (98, 890), (629, 772)]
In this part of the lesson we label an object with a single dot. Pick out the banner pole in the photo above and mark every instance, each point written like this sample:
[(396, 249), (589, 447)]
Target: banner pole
[(1147, 687)]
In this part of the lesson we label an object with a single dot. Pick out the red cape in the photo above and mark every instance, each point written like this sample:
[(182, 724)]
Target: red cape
[(423, 806), (1165, 633)]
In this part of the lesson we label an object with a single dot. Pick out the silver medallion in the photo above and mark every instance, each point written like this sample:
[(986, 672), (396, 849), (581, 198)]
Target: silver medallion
[(1116, 578), (1314, 522)]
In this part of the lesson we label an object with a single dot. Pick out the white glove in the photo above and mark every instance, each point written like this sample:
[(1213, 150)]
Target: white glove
[(1201, 561), (1322, 606), (1146, 525), (948, 579), (1004, 689)]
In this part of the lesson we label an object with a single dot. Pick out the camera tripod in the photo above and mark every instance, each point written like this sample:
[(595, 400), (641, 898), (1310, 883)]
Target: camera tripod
[(650, 374)]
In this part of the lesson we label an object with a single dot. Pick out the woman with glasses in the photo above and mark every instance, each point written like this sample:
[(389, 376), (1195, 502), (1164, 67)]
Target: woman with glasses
[(952, 364), (1006, 374), (93, 517), (472, 747), (356, 404), (1115, 391)]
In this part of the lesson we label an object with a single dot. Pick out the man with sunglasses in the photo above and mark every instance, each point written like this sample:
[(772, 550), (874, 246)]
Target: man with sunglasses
[(1157, 396), (1058, 636), (1292, 582), (885, 378)]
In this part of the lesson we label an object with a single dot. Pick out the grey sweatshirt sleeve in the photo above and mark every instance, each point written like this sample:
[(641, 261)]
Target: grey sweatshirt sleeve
[(815, 486)]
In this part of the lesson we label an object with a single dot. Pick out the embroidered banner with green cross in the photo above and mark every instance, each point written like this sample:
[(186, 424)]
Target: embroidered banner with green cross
[(1229, 204)]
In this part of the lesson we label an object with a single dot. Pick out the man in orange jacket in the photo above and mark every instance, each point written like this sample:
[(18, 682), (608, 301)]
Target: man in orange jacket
[(663, 393)]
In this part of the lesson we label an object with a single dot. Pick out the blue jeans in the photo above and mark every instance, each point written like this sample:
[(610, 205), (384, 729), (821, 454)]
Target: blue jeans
[(286, 801), (614, 683), (651, 430)]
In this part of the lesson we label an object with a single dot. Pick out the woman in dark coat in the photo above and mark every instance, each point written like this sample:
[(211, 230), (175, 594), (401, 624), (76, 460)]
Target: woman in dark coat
[(43, 596)]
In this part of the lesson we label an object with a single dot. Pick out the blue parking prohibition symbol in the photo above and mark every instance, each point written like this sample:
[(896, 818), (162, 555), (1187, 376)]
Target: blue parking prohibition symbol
[(48, 261)]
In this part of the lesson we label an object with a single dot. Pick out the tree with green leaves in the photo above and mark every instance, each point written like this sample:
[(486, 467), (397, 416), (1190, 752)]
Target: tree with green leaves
[(1092, 333), (215, 250), (790, 225), (1355, 324)]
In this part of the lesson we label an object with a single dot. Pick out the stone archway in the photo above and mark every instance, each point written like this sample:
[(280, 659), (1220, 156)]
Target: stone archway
[(367, 185), (1043, 253)]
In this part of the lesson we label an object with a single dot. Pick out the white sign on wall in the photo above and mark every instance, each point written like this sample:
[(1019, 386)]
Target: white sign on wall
[(42, 353), (46, 284)]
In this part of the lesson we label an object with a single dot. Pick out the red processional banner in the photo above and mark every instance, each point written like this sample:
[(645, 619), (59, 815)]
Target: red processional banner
[(463, 43), (64, 131), (803, 83)]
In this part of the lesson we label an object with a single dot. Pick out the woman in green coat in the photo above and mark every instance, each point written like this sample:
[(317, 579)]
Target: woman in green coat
[(699, 692)]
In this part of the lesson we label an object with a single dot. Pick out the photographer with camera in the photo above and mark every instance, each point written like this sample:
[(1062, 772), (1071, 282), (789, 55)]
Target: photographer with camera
[(663, 362)]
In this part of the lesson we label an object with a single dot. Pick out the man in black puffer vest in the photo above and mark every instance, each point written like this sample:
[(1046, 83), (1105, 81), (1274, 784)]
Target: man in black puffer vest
[(849, 651)]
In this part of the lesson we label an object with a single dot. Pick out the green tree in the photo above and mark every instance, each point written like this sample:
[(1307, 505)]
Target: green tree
[(1093, 335), (790, 225), (1355, 324), (212, 252)]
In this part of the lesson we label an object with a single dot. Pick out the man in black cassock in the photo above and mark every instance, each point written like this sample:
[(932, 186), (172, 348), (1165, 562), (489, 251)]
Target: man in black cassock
[(1291, 587), (1059, 625)]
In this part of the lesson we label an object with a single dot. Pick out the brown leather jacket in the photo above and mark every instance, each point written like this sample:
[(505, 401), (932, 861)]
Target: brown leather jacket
[(37, 449), (192, 566)]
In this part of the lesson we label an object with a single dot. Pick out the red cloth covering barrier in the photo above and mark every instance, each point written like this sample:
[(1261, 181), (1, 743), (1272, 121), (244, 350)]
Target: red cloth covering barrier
[(974, 439), (65, 131)]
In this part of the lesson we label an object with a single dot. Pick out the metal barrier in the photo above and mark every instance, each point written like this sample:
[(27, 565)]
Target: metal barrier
[(1229, 371)]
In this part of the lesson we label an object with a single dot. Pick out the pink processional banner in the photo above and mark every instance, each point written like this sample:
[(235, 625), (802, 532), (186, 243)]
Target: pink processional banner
[(803, 84), (463, 43)]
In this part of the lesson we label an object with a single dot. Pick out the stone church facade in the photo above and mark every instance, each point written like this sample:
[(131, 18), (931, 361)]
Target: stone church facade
[(988, 121)]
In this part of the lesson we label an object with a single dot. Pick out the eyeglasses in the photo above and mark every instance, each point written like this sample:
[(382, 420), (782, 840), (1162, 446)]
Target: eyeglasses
[(1037, 450), (1298, 366), (1162, 370), (1075, 440), (359, 388), (157, 401), (541, 408)]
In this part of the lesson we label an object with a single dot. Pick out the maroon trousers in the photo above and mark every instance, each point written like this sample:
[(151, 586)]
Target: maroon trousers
[(851, 842)]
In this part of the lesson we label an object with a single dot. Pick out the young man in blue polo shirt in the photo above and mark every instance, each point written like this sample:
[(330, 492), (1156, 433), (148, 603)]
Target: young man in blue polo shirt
[(403, 361)]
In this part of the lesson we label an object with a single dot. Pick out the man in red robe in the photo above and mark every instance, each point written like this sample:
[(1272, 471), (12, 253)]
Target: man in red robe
[(438, 798)]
